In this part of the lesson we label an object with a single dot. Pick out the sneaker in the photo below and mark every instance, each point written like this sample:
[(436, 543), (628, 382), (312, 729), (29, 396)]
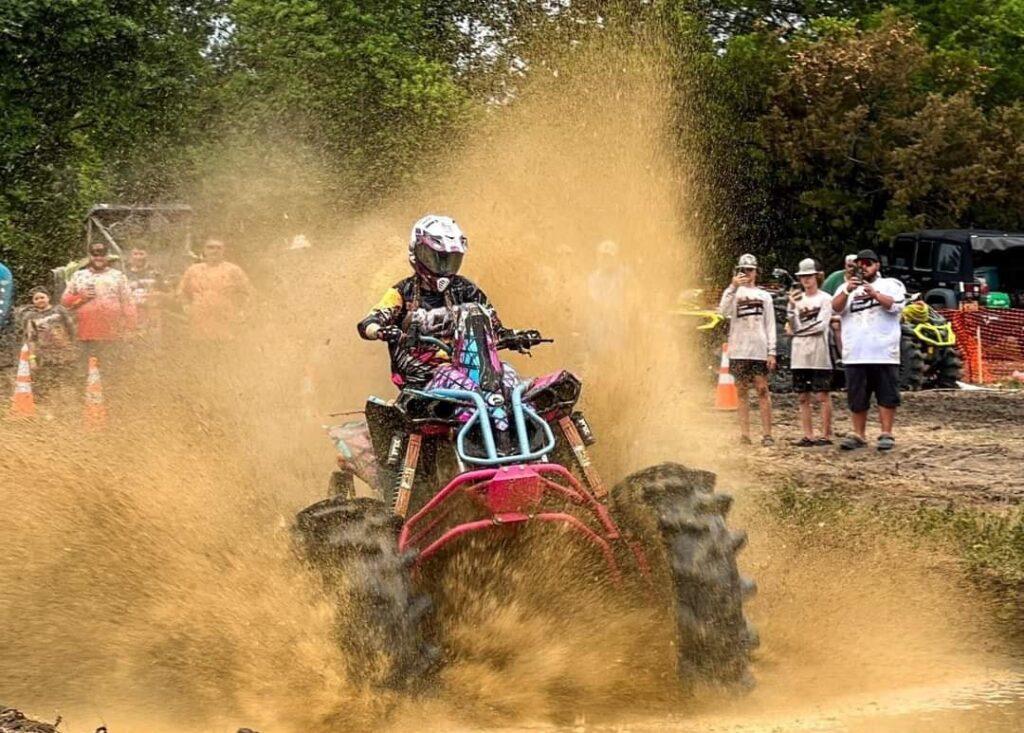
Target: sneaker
[(886, 442), (852, 442), (767, 440)]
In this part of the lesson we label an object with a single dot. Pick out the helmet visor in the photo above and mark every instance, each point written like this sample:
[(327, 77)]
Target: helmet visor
[(442, 264)]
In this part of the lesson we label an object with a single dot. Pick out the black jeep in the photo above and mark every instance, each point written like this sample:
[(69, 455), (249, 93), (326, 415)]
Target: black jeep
[(948, 266)]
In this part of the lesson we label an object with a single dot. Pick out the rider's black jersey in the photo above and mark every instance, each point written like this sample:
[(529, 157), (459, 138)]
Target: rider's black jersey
[(414, 367)]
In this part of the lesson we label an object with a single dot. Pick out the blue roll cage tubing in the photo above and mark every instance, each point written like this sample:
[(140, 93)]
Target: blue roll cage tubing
[(519, 414)]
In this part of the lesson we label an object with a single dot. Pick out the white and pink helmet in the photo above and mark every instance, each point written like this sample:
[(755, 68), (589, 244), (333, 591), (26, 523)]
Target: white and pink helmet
[(436, 247)]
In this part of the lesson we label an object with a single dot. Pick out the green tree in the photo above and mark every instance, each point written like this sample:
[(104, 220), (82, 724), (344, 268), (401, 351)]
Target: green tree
[(93, 95)]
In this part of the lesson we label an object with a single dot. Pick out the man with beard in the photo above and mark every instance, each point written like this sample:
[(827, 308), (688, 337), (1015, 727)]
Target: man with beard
[(104, 311), (870, 306)]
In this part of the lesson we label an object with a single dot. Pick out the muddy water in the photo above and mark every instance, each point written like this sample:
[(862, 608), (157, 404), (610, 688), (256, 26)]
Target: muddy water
[(986, 704), (147, 578)]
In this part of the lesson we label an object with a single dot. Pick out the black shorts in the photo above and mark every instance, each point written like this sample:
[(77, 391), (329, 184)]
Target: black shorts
[(881, 380), (744, 370), (812, 380)]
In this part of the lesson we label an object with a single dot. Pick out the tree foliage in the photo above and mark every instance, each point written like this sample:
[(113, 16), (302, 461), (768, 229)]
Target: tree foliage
[(807, 125), (846, 131)]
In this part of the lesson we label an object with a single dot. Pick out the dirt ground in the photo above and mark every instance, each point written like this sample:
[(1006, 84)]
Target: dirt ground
[(965, 447)]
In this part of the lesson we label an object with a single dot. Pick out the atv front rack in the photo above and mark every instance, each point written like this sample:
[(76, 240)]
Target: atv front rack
[(511, 496), (481, 416)]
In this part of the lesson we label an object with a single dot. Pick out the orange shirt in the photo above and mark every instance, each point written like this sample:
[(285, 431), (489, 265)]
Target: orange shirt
[(216, 293)]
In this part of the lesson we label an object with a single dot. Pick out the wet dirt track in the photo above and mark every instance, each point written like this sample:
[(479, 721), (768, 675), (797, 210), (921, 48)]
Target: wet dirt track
[(961, 446)]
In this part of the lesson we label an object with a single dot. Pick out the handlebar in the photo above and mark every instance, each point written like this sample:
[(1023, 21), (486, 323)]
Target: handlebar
[(523, 341), (520, 341)]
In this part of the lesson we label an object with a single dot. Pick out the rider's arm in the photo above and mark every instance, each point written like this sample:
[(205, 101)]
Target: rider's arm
[(385, 313)]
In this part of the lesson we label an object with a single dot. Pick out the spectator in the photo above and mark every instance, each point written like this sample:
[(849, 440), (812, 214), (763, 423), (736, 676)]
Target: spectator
[(870, 308), (6, 293), (50, 332), (810, 313), (104, 310), (216, 293), (837, 278), (147, 287), (751, 315)]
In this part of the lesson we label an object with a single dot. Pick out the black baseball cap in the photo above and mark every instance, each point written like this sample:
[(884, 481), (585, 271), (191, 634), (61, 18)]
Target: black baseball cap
[(867, 254)]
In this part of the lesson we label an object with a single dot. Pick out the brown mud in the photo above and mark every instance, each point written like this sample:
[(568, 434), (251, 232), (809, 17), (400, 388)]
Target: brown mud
[(965, 447), (148, 580)]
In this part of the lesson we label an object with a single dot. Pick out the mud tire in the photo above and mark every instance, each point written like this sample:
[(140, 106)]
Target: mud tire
[(947, 369), (912, 364), (13, 721), (352, 544), (681, 522)]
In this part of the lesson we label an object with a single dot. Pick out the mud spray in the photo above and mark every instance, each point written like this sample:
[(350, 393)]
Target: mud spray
[(147, 576)]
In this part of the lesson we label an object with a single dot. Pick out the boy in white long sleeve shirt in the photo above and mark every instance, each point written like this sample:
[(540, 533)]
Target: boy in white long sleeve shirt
[(810, 314), (751, 315)]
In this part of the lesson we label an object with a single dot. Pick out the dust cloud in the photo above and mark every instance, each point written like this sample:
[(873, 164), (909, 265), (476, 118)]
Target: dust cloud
[(148, 580)]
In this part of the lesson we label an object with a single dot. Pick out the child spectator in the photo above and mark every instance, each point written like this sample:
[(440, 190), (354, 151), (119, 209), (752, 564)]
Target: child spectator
[(751, 315), (147, 287), (810, 313), (49, 331)]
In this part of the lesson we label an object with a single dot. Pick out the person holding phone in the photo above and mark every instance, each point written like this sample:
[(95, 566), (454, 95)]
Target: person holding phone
[(870, 307), (809, 313), (751, 349), (102, 304)]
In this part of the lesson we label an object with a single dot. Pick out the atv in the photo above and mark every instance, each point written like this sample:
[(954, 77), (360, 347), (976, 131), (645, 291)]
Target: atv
[(480, 452), (930, 340)]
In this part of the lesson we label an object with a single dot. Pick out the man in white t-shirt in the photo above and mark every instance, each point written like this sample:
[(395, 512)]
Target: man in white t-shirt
[(810, 313), (751, 315), (870, 307)]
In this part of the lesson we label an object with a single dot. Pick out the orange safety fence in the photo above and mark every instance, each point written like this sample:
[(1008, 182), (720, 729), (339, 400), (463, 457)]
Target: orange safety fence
[(991, 342)]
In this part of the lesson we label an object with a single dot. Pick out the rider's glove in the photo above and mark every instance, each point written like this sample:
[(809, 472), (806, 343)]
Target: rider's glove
[(389, 333)]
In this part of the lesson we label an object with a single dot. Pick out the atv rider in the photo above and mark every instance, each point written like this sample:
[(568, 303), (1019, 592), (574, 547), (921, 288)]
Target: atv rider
[(436, 248)]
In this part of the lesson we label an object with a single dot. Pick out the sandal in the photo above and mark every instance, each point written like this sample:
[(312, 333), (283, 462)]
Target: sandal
[(823, 441), (805, 443), (767, 440), (852, 442), (886, 442)]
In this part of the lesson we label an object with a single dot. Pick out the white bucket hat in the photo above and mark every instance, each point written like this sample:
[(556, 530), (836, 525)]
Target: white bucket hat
[(807, 267)]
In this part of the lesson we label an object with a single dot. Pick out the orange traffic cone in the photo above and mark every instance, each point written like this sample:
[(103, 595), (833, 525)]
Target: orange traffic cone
[(726, 397), (23, 404), (95, 411)]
